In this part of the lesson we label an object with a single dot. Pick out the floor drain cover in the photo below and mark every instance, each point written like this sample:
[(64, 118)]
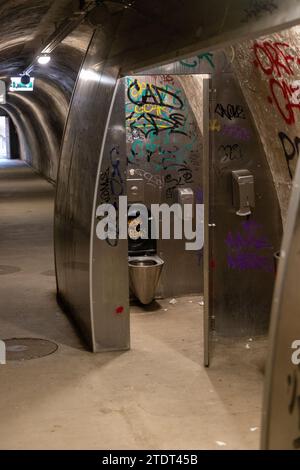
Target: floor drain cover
[(4, 269), (23, 349)]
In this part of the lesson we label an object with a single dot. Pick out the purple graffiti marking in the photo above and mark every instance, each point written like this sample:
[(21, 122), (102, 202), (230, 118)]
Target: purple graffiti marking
[(236, 132), (199, 196), (248, 249)]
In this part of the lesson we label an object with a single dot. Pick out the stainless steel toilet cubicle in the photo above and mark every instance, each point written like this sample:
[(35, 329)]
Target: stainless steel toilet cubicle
[(165, 156), (92, 275), (239, 240)]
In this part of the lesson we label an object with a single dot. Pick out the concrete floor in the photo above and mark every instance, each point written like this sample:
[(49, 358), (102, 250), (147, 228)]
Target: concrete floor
[(156, 396)]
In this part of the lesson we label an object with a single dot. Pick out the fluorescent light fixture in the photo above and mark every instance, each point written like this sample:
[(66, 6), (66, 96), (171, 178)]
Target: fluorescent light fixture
[(44, 59), (17, 85)]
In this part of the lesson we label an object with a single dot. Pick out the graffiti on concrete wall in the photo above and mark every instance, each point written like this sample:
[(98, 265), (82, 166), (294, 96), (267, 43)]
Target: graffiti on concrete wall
[(229, 153), (278, 62), (248, 249), (154, 180), (183, 177), (155, 109), (162, 138), (233, 131), (230, 111), (291, 148), (207, 57), (165, 79)]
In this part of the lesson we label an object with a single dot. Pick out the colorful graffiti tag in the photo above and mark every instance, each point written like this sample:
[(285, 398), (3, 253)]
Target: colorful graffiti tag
[(291, 148), (277, 61), (161, 136), (195, 61)]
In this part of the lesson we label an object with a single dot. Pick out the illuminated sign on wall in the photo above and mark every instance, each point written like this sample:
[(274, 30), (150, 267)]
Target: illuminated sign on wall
[(17, 85), (2, 92)]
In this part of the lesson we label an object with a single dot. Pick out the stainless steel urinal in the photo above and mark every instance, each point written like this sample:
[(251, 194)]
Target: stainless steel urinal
[(144, 274)]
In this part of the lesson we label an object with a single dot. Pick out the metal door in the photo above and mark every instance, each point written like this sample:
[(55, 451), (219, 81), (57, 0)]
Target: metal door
[(207, 318), (281, 410)]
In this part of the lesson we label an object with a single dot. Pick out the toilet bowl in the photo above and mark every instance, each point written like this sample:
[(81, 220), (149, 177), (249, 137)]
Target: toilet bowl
[(144, 274)]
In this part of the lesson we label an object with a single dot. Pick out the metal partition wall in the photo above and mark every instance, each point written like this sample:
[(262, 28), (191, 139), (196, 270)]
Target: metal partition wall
[(91, 281), (207, 154), (128, 40), (110, 286), (242, 246), (281, 423)]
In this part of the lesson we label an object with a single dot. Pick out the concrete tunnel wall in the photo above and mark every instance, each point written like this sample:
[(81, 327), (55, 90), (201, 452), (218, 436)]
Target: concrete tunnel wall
[(39, 116)]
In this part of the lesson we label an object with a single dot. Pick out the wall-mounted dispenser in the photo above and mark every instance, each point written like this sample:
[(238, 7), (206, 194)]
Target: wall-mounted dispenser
[(243, 192), (185, 196)]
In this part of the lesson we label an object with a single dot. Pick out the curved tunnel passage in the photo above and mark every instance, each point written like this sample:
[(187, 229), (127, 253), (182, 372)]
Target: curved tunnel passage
[(46, 109)]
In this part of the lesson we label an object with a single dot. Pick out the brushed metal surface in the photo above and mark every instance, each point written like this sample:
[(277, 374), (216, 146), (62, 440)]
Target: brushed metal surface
[(207, 175), (144, 274), (241, 265), (281, 408), (109, 289), (83, 141)]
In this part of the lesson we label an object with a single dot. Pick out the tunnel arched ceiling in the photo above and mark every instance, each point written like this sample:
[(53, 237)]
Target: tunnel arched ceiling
[(26, 25), (40, 116)]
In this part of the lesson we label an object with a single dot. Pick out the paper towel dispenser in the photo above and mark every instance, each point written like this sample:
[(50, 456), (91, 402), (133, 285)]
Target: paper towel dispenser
[(185, 197)]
